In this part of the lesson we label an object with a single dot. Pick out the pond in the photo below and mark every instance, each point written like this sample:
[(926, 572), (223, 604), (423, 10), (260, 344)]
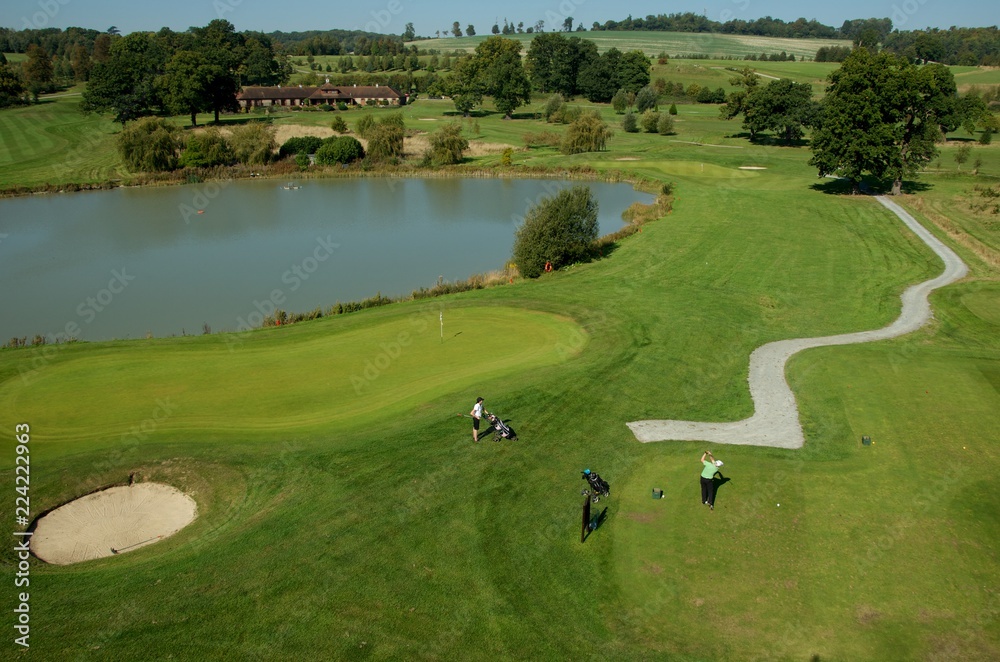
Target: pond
[(165, 261)]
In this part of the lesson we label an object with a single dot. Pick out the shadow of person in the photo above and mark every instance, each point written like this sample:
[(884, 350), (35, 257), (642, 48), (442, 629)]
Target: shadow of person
[(596, 521), (718, 480)]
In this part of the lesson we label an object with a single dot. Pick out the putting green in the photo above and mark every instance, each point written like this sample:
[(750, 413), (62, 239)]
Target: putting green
[(322, 374)]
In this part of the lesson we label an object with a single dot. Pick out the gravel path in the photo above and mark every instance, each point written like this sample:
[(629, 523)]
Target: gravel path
[(775, 421)]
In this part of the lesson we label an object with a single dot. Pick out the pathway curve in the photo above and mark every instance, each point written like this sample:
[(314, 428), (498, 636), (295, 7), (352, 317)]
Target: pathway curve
[(775, 421)]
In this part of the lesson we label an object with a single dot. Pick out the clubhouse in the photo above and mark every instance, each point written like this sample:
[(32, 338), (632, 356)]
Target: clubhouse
[(354, 95)]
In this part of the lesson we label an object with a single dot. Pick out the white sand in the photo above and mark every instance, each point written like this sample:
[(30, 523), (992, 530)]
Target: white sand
[(775, 421), (122, 518)]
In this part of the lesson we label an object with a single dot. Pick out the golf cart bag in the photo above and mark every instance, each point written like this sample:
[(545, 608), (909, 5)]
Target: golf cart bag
[(598, 486), (500, 429)]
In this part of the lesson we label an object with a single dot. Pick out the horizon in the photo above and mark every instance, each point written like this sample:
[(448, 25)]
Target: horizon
[(389, 17)]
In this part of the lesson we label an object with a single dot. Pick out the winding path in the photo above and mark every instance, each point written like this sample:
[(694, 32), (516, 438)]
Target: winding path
[(775, 421)]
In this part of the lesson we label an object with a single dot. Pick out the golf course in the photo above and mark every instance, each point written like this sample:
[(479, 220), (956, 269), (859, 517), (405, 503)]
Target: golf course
[(344, 512)]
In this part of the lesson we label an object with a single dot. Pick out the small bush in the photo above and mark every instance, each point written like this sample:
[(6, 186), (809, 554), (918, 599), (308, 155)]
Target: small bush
[(385, 142), (447, 145), (629, 123), (343, 149), (339, 125), (554, 105), (364, 125), (207, 149), (650, 120), (986, 137), (302, 160), (300, 145), (665, 125), (253, 143), (620, 101), (149, 145), (341, 105), (559, 230), (673, 109), (507, 157), (646, 99)]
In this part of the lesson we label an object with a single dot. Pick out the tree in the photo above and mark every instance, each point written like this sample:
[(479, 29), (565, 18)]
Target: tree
[(253, 143), (645, 99), (409, 34), (11, 89), (80, 62), (620, 101), (206, 149), (553, 107), (185, 84), (37, 71), (363, 127), (782, 106), (385, 140), (470, 30), (494, 70), (456, 29), (629, 123), (496, 29), (560, 230), (124, 85), (567, 25), (339, 125), (665, 125), (149, 145), (962, 155), (650, 121), (343, 149), (587, 133), (673, 109), (447, 145), (881, 116), (633, 71)]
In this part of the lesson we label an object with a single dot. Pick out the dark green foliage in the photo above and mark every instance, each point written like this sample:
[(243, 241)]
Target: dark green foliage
[(673, 109), (782, 106), (601, 77), (11, 89), (881, 116), (149, 145), (559, 230), (385, 140), (300, 145), (588, 133), (253, 143), (645, 99), (343, 149), (339, 125), (341, 105), (552, 106), (650, 121), (495, 70), (707, 95), (447, 145), (629, 123), (986, 137), (302, 161), (206, 149), (554, 62)]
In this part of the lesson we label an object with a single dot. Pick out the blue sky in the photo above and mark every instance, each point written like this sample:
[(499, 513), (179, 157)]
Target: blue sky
[(391, 16)]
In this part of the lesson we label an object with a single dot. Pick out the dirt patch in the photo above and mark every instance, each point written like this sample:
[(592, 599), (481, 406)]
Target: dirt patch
[(653, 569), (642, 518), (113, 521), (866, 615)]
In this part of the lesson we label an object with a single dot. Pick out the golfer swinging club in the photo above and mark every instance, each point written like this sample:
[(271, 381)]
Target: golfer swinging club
[(709, 467), (476, 413)]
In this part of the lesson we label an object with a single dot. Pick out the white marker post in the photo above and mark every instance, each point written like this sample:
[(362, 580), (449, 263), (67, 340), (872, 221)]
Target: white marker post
[(441, 314)]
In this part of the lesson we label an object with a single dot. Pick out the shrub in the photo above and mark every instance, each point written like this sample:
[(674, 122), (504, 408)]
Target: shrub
[(665, 125), (620, 101), (207, 149), (343, 149), (673, 109), (341, 105), (650, 120), (339, 125), (507, 157), (589, 133), (629, 123), (364, 125), (986, 137), (326, 107), (567, 114), (559, 230), (385, 142), (447, 145), (645, 99), (253, 143), (299, 145), (149, 145), (554, 105), (542, 139), (302, 160)]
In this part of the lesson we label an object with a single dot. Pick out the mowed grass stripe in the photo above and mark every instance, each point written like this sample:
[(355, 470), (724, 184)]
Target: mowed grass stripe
[(15, 143)]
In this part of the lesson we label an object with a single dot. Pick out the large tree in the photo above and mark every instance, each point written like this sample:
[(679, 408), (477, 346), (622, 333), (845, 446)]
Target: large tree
[(494, 70), (881, 116), (185, 84), (782, 106), (554, 62), (559, 230), (37, 71), (124, 84)]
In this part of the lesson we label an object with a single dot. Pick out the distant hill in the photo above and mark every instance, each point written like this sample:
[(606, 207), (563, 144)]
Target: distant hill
[(674, 44)]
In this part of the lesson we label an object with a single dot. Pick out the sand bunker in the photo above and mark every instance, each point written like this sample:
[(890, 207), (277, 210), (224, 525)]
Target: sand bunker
[(752, 168), (112, 521)]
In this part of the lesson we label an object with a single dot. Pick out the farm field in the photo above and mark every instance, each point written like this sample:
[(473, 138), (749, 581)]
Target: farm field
[(349, 516), (674, 44)]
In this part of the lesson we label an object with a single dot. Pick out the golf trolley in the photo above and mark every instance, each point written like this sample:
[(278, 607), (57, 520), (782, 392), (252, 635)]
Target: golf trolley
[(598, 486), (500, 429)]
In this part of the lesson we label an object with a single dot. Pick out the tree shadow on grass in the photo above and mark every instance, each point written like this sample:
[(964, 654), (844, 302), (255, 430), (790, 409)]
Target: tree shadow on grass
[(868, 186)]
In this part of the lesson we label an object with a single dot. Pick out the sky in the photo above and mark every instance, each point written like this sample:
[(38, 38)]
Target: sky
[(391, 16)]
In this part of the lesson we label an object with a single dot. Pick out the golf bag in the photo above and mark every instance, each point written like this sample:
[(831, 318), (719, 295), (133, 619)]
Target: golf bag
[(598, 486), (500, 429)]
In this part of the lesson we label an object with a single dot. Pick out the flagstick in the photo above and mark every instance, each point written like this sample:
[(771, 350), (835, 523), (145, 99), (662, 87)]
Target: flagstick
[(442, 326)]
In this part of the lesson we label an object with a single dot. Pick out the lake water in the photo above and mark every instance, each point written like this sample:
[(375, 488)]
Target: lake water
[(124, 263)]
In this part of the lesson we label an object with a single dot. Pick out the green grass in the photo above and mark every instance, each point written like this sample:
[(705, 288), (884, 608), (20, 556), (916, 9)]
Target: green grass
[(342, 524), (675, 44)]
